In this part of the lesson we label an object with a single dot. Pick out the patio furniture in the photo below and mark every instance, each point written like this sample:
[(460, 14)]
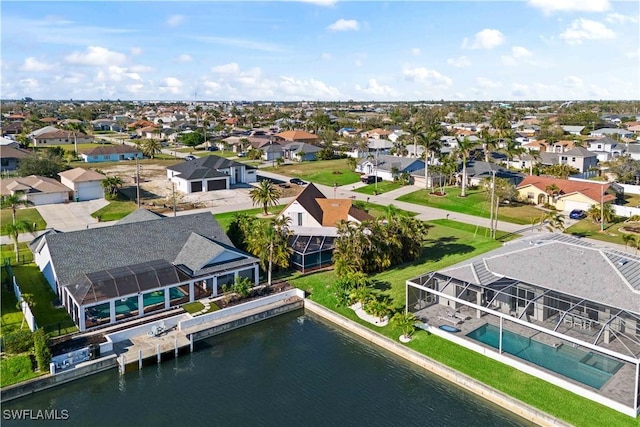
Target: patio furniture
[(453, 320)]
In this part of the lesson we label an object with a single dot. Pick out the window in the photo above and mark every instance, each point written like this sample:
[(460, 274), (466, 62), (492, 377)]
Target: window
[(530, 195), (4, 162), (599, 146), (573, 159), (299, 218), (564, 158)]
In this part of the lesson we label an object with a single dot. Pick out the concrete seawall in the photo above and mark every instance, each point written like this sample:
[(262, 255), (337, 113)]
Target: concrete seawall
[(505, 401), (42, 383)]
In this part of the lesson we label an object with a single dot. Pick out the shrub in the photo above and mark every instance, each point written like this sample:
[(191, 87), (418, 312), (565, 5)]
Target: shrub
[(19, 341), (41, 349)]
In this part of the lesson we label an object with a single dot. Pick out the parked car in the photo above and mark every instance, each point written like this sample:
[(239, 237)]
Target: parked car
[(212, 148), (297, 181), (190, 157), (242, 154), (577, 214), (370, 179)]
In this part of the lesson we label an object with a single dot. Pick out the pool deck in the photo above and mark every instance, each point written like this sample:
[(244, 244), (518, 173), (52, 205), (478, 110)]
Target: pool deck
[(619, 387)]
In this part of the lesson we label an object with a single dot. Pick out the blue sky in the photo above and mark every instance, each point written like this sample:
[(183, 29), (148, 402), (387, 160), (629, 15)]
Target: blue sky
[(321, 50)]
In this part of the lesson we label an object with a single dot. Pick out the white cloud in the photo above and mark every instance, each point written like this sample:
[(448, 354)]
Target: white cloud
[(241, 43), (185, 57), (520, 91), (344, 25), (573, 81), (518, 55), (135, 89), (427, 77), (170, 85), (618, 18), (486, 83), (485, 39), (586, 29), (29, 84), (377, 90), (71, 78), (96, 55), (550, 6), (326, 56), (415, 51), (116, 74), (230, 68), (175, 20), (460, 62), (141, 69), (597, 92), (308, 89), (135, 51), (31, 64)]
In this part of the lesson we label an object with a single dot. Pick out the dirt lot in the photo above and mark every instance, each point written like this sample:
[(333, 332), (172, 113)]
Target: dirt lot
[(156, 189)]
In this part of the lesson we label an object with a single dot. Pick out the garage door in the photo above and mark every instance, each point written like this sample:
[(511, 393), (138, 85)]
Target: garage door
[(570, 205), (196, 186), (216, 184), (47, 198)]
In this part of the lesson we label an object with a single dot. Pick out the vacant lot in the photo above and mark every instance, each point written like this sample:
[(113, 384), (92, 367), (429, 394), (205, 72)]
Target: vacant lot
[(325, 172)]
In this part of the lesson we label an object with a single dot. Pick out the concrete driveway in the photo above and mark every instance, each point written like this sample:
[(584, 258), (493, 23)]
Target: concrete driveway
[(71, 216)]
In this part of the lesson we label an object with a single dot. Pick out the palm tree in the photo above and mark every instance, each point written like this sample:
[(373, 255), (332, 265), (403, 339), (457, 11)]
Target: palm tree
[(430, 139), (265, 194), (489, 143), (111, 184), (151, 146), (464, 150), (552, 190), (554, 220), (513, 148), (606, 215), (13, 201), (406, 321), (14, 230), (630, 240), (352, 163), (413, 132)]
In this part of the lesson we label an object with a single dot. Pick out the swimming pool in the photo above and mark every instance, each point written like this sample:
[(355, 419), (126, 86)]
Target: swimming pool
[(588, 368)]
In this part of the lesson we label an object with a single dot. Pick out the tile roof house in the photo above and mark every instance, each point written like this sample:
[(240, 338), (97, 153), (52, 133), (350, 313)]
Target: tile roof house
[(10, 157), (38, 190), (143, 264), (297, 135), (570, 194), (573, 308), (210, 173), (110, 153), (313, 222), (85, 183)]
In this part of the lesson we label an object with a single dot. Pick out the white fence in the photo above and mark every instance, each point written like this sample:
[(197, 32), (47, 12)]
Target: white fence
[(626, 211), (630, 189), (26, 310)]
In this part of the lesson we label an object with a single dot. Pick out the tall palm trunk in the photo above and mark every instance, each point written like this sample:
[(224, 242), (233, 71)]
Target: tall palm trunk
[(463, 193)]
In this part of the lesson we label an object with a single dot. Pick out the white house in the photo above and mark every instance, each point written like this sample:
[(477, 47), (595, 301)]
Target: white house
[(387, 167), (85, 183), (209, 173)]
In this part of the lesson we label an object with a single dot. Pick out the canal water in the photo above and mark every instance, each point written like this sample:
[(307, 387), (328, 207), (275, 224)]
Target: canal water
[(293, 370)]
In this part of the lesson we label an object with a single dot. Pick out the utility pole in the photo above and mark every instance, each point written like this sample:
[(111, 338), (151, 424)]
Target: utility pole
[(492, 233), (137, 181), (602, 210)]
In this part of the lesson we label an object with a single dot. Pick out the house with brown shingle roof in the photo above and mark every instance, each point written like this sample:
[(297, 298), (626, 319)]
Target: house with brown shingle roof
[(297, 135), (58, 136), (86, 184), (313, 222), (10, 157), (568, 194), (38, 190)]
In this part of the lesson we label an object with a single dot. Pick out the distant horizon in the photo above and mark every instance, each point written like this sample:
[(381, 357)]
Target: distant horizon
[(321, 50)]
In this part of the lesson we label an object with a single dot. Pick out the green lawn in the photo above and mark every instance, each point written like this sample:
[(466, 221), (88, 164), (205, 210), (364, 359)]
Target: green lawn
[(55, 320), (476, 203), (326, 172), (382, 187), (450, 243), (115, 210), (224, 219), (11, 318), (590, 229), (24, 253), (15, 369), (376, 210), (30, 215), (71, 147)]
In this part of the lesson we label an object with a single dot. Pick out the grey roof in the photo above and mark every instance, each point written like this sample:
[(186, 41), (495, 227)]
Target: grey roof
[(76, 253), (569, 128), (140, 215), (385, 162), (480, 169), (579, 152), (561, 263), (197, 251), (205, 167), (548, 158), (302, 147)]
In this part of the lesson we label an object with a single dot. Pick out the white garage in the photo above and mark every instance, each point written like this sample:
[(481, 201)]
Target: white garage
[(85, 184), (570, 205)]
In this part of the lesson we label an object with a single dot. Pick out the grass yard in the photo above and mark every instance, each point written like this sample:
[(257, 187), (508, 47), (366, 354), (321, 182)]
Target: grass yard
[(71, 147), (476, 203), (224, 219), (16, 369), (383, 187), (326, 172), (376, 210), (450, 243), (30, 215), (115, 210), (590, 229), (11, 318), (25, 255), (56, 321)]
